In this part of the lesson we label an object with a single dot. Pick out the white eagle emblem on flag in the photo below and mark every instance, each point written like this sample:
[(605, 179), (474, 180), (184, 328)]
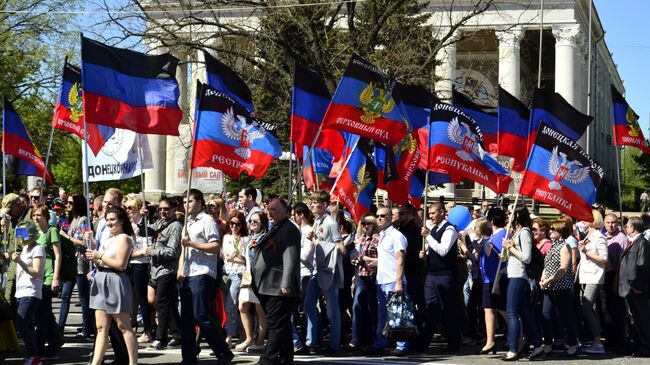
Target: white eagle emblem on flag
[(467, 141), (237, 128), (562, 169)]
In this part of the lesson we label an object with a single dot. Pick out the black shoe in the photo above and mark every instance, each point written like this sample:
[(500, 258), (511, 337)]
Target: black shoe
[(492, 349), (226, 358), (537, 354), (506, 358), (373, 351), (175, 342), (398, 352), (311, 350)]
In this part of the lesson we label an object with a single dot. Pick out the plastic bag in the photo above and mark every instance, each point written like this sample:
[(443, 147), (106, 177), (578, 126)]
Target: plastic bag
[(400, 324)]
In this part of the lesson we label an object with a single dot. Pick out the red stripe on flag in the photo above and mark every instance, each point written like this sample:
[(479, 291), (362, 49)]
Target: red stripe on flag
[(535, 186), (61, 120), (348, 118), (101, 109), (223, 157), (623, 137)]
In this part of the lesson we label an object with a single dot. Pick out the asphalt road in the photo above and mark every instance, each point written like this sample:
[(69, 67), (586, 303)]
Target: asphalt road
[(76, 352)]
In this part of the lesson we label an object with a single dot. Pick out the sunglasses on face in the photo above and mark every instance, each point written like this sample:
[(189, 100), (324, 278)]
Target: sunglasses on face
[(383, 215), (253, 221), (235, 223)]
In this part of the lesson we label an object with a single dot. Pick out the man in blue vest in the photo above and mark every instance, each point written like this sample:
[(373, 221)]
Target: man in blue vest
[(440, 255)]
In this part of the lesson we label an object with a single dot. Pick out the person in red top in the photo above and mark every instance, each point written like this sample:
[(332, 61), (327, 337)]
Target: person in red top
[(541, 235)]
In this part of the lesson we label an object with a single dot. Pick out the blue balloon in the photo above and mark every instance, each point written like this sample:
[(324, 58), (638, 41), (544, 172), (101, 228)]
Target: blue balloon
[(460, 217)]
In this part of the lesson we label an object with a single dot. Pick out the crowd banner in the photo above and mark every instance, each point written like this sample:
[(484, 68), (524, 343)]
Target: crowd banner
[(118, 159)]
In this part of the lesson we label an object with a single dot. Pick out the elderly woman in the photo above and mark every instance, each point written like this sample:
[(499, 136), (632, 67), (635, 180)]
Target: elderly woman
[(364, 304), (591, 275), (110, 292), (557, 285), (140, 263)]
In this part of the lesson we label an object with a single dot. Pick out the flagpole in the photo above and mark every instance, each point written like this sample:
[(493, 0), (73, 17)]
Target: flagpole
[(86, 151), (47, 161), (313, 169), (541, 33), (290, 187), (618, 174), (589, 77), (345, 165), (497, 278), (425, 215), (299, 181), (144, 201), (4, 193)]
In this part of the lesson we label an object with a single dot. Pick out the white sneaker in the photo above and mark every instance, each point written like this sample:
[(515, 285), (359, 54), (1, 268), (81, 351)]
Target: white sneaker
[(255, 348), (243, 346), (598, 349)]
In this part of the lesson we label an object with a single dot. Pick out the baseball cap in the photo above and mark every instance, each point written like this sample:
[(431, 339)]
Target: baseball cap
[(8, 201)]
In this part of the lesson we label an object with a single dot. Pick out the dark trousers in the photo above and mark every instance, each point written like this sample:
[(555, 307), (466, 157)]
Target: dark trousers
[(415, 291), (87, 314), (198, 295), (279, 346), (440, 307), (613, 309), (166, 308), (139, 276), (27, 308), (559, 315), (639, 312), (364, 310), (47, 329)]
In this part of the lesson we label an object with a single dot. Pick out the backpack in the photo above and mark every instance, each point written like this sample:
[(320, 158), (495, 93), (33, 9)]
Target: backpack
[(68, 259), (536, 265)]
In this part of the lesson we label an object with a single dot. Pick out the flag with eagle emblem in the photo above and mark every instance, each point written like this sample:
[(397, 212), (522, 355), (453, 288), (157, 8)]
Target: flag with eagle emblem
[(365, 103), (228, 138), (68, 111), (483, 116), (560, 173), (358, 182), (457, 148), (627, 131)]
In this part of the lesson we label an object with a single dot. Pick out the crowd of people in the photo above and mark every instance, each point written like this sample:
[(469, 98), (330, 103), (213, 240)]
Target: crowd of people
[(248, 275)]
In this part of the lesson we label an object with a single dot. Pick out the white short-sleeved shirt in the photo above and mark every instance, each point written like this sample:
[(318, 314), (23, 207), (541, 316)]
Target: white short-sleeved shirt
[(26, 285), (202, 228), (229, 247), (391, 241)]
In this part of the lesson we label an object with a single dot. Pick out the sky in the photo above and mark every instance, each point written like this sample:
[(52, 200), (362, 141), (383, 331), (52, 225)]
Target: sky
[(626, 34)]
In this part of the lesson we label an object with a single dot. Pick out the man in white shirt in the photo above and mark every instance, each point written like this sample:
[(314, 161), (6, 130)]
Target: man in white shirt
[(197, 276), (391, 251), (439, 288)]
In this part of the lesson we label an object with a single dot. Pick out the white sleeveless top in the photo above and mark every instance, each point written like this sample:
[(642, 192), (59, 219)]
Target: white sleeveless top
[(109, 249)]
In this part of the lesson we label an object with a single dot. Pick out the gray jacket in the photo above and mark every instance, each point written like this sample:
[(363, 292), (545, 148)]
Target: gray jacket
[(276, 261), (167, 249), (634, 267)]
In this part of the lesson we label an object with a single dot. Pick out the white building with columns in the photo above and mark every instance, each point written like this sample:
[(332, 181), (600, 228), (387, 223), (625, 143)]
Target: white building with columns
[(500, 46)]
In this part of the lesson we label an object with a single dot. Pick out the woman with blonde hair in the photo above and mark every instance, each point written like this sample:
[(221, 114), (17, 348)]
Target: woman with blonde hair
[(591, 275), (216, 207)]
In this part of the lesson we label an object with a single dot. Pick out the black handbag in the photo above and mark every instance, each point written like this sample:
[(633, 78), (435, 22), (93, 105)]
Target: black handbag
[(6, 313), (400, 324)]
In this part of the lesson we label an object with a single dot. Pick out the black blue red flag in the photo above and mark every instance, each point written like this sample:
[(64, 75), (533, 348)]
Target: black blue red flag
[(310, 98), (68, 111), (222, 78), (627, 131), (17, 143), (228, 138), (358, 182), (560, 173), (514, 123), (486, 119), (456, 148), (364, 103), (552, 109), (130, 90), (317, 167)]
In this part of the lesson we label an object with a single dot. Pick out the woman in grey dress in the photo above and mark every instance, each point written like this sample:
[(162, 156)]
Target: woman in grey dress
[(110, 293)]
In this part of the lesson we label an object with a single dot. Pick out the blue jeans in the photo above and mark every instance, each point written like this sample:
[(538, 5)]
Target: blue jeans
[(198, 294), (518, 307), (382, 315), (364, 310), (27, 308), (333, 313), (232, 311), (65, 295), (87, 314)]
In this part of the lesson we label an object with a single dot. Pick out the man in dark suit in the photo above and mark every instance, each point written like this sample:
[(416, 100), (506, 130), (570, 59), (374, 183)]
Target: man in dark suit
[(276, 282), (634, 269)]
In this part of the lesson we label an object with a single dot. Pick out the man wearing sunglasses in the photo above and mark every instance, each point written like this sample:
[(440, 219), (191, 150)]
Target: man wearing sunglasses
[(164, 254), (391, 251)]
